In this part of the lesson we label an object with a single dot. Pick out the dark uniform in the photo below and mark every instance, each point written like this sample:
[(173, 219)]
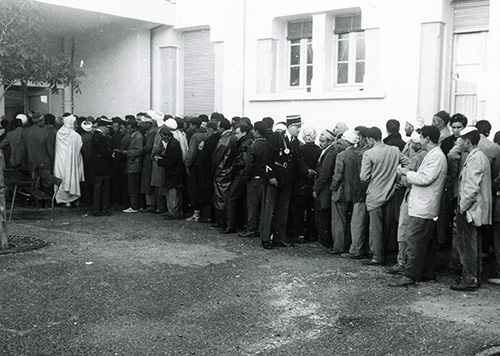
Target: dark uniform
[(101, 171), (283, 159)]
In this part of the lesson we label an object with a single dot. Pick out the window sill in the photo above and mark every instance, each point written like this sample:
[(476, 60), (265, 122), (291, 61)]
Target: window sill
[(330, 95)]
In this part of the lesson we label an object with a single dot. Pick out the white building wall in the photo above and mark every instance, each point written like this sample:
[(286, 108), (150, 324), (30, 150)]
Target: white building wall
[(117, 67)]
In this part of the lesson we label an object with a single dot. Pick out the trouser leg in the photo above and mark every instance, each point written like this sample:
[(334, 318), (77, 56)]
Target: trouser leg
[(420, 249), (359, 223), (269, 202), (468, 246), (375, 234)]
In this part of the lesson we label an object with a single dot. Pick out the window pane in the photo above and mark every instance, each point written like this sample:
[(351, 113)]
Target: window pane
[(343, 49), (294, 55), (360, 72), (342, 70), (294, 76), (360, 48), (309, 54), (309, 75)]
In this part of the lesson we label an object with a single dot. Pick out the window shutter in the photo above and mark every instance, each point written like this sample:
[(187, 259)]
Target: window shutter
[(347, 24), (471, 15), (299, 30)]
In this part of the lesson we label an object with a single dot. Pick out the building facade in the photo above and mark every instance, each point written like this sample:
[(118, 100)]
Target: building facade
[(358, 61)]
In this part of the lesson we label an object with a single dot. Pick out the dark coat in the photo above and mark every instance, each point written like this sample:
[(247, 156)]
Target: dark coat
[(347, 170), (174, 165), (102, 154), (283, 160), (147, 163), (39, 146), (222, 161), (304, 183), (134, 153), (241, 155), (324, 175), (395, 140), (204, 161)]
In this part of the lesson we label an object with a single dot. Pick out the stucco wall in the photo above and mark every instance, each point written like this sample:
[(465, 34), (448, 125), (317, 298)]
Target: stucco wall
[(117, 67)]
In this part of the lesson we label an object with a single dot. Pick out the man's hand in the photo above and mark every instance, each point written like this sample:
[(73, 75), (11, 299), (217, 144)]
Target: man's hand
[(311, 172), (315, 195), (273, 181)]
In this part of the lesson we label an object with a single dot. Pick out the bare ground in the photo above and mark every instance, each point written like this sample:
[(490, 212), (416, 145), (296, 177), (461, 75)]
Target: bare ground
[(135, 284)]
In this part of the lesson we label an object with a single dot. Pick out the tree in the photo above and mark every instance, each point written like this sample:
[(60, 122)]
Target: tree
[(23, 61), (22, 58)]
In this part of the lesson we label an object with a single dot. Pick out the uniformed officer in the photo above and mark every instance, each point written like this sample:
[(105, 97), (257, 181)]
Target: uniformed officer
[(283, 159)]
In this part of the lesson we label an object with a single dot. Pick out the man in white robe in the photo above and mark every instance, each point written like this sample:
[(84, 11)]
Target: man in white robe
[(68, 163)]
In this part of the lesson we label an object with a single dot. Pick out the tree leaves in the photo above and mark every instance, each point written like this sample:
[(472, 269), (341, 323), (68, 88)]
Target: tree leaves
[(22, 57)]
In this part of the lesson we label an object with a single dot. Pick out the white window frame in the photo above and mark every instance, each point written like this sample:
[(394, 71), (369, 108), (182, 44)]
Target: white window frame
[(303, 65), (351, 62)]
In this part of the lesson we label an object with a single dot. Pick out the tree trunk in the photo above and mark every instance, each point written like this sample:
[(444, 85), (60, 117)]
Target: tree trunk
[(4, 243)]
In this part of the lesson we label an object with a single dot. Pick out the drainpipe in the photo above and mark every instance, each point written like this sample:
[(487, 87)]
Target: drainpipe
[(68, 91)]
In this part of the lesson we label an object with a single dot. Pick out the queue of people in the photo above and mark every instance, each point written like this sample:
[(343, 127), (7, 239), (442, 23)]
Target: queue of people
[(359, 195)]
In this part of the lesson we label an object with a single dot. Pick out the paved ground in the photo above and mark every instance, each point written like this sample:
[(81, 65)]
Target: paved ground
[(139, 285)]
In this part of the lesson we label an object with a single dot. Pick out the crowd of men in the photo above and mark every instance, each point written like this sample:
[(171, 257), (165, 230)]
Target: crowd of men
[(358, 194)]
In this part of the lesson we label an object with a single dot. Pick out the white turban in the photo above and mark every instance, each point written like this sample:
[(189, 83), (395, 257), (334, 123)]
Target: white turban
[(86, 126), (171, 124), (279, 127), (23, 118), (351, 136)]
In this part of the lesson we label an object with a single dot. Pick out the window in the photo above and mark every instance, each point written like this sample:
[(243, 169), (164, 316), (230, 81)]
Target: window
[(350, 51), (301, 54)]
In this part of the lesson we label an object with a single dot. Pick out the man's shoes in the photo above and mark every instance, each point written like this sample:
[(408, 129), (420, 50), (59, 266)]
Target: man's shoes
[(149, 209), (106, 213), (130, 210), (401, 282), (204, 220), (464, 287), (351, 256), (172, 217), (228, 230), (97, 214), (335, 252), (396, 269), (374, 263), (159, 211), (192, 218), (495, 281), (280, 244), (248, 234), (267, 245)]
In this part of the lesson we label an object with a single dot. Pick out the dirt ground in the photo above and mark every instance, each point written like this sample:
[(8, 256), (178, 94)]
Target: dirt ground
[(135, 284)]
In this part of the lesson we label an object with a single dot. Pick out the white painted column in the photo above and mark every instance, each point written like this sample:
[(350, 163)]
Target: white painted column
[(319, 52), (219, 76), (266, 66), (68, 91), (430, 69)]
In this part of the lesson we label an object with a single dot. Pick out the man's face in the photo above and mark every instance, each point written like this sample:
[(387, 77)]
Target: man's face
[(294, 130), (239, 134), (416, 146), (324, 141), (116, 127), (438, 122), (456, 128), (463, 144), (409, 129), (423, 142)]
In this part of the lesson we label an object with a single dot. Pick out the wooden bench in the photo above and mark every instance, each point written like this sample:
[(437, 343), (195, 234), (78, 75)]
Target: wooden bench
[(28, 185)]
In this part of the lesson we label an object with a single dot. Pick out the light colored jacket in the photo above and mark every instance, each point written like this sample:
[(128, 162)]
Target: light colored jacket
[(427, 185), (378, 169), (474, 192)]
